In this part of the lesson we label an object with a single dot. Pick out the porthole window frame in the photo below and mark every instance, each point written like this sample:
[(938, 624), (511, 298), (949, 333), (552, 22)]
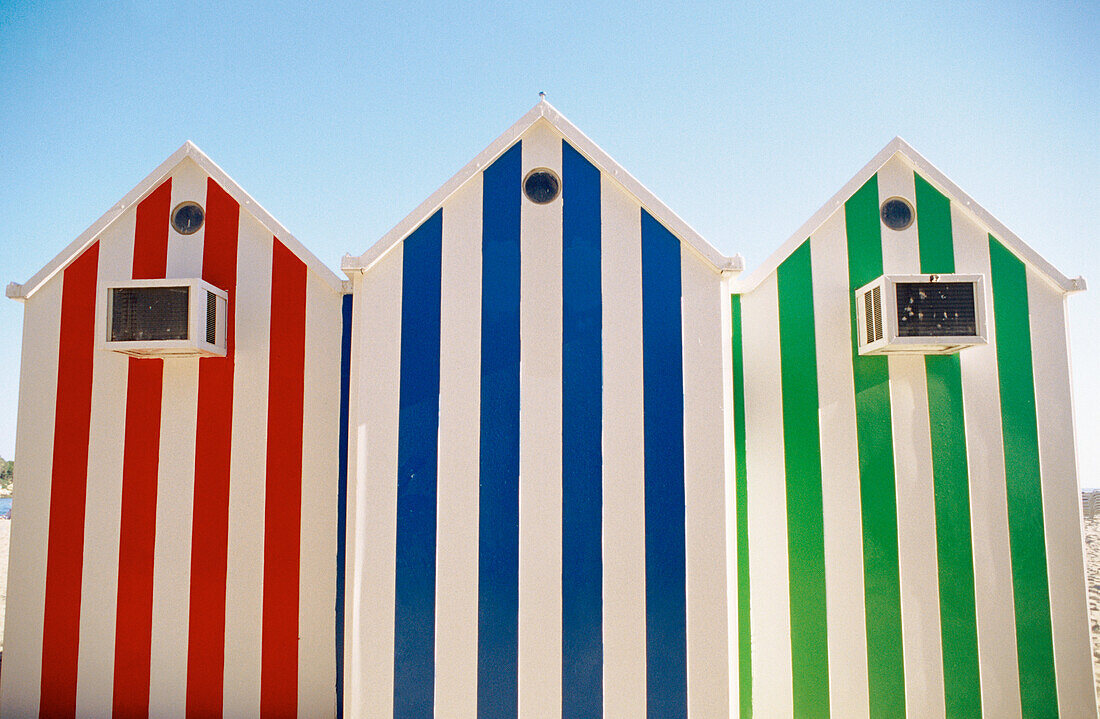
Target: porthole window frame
[(551, 173), (904, 201), (175, 212)]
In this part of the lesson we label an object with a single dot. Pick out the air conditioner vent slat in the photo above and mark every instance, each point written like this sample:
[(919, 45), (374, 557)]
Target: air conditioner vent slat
[(876, 298), (869, 315), (211, 317)]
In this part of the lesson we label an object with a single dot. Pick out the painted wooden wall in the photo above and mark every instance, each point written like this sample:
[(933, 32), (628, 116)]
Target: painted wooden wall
[(577, 476), (908, 529), (538, 467), (174, 547)]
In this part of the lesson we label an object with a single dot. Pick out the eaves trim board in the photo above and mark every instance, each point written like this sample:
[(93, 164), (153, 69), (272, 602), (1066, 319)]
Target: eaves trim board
[(544, 111), (187, 151), (930, 172)]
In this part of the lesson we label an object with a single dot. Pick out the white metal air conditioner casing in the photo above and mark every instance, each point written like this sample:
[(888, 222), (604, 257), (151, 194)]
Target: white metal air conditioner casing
[(175, 318), (936, 315)]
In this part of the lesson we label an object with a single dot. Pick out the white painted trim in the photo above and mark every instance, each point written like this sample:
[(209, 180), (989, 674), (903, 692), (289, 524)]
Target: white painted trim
[(187, 151), (624, 612), (704, 336), (540, 443), (320, 464), (917, 551), (1061, 490), (543, 110), (457, 487), (170, 616), (842, 519), (20, 686), (918, 566), (372, 526), (993, 595), (106, 451), (729, 496), (769, 588), (930, 172), (247, 471)]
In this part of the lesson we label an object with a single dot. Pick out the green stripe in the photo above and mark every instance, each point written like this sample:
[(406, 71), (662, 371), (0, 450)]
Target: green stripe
[(878, 503), (802, 455), (937, 251), (1034, 647), (744, 629), (958, 624)]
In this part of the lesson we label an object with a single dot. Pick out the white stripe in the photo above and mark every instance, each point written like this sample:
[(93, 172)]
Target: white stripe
[(20, 684), (103, 507), (245, 567), (840, 490), (916, 503), (457, 489), (1061, 498), (704, 336), (372, 529), (988, 504), (624, 647), (172, 548), (772, 682), (185, 251), (175, 481), (540, 392), (730, 500), (320, 470)]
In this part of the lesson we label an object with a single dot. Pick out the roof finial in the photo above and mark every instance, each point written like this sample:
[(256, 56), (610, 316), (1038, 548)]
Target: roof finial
[(542, 96)]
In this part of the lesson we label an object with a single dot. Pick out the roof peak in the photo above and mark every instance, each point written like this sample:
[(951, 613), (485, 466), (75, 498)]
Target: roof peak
[(187, 151), (934, 175), (543, 110)]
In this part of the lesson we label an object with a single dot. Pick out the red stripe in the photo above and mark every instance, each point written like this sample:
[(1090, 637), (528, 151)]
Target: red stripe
[(283, 506), (141, 453), (151, 235), (137, 533), (68, 487), (210, 527)]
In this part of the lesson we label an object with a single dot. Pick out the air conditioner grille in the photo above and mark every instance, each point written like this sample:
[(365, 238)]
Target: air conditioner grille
[(872, 307), (148, 313), (936, 309), (211, 317)]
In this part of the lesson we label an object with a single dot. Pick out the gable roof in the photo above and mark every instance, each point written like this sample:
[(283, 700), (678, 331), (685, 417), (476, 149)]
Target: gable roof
[(151, 182), (940, 181), (545, 112)]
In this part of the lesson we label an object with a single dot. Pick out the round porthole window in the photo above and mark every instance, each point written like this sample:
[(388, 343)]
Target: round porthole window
[(187, 218), (541, 186), (897, 213)]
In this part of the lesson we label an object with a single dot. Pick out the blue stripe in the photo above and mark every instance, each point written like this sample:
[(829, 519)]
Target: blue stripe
[(663, 403), (417, 436), (582, 450), (498, 519), (342, 496)]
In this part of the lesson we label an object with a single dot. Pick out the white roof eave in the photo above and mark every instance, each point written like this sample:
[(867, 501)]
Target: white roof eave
[(544, 111), (151, 182), (930, 172)]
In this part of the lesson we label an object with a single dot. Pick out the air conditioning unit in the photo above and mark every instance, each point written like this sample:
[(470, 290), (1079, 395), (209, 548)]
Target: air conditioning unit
[(165, 318), (921, 314)]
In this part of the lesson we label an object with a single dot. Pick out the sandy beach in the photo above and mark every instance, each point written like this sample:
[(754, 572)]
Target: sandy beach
[(1092, 567)]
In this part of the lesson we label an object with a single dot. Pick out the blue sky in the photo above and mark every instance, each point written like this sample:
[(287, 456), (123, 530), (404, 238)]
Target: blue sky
[(340, 119)]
